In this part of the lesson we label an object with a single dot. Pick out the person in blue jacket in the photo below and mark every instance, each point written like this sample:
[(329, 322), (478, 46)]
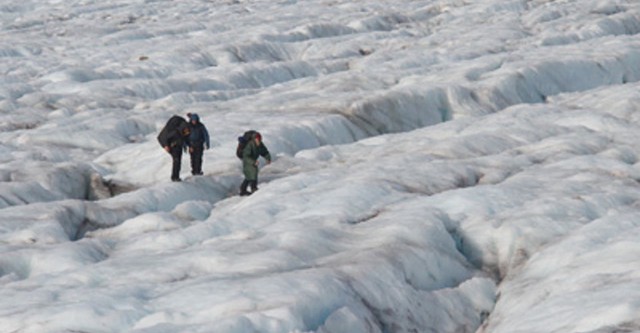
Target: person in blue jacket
[(197, 142)]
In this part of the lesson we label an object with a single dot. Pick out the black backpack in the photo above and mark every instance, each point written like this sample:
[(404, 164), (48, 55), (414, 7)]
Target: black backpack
[(243, 140), (173, 124)]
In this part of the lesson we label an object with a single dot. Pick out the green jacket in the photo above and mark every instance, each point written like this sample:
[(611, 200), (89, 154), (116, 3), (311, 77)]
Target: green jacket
[(250, 155)]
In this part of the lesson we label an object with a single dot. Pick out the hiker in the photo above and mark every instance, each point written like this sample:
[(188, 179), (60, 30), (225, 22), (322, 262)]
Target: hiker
[(198, 142), (173, 138), (253, 149)]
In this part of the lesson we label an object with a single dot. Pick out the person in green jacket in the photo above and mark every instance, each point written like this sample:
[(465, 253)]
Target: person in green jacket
[(250, 154)]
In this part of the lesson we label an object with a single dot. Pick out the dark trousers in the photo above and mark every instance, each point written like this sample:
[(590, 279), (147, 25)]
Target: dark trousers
[(196, 159), (176, 155)]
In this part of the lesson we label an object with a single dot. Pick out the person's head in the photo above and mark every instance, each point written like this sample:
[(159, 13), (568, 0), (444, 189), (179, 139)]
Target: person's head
[(185, 131), (258, 137), (194, 118)]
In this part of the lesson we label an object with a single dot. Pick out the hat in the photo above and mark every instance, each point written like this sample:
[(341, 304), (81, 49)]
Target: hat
[(193, 117), (258, 136)]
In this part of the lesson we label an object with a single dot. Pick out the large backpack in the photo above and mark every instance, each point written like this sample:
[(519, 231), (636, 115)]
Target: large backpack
[(243, 140), (173, 124)]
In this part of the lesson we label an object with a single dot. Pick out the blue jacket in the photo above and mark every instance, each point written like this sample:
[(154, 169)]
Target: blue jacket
[(199, 134)]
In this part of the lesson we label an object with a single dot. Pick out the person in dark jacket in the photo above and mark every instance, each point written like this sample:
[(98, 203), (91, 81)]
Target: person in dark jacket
[(198, 142), (173, 139), (250, 154)]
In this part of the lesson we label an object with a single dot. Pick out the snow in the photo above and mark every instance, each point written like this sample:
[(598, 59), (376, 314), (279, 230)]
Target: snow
[(438, 166)]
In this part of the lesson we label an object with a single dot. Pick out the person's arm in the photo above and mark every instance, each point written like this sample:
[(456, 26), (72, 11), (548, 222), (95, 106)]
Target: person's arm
[(264, 152), (206, 137), (164, 140)]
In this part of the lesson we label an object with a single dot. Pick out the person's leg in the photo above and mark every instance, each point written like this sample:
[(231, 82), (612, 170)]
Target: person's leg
[(254, 181), (176, 155), (243, 187), (250, 171), (192, 155), (196, 160)]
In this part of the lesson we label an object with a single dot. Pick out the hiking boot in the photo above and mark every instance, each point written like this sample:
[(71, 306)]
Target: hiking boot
[(176, 179), (244, 193)]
